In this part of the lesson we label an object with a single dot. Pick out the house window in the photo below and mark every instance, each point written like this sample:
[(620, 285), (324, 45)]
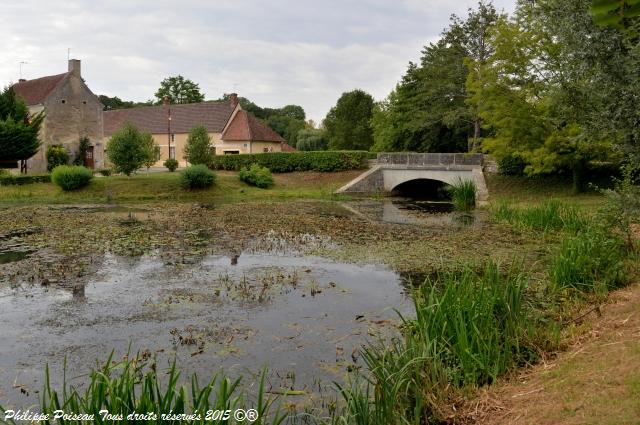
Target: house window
[(173, 137), (265, 150), (231, 152), (84, 102), (63, 101), (172, 152)]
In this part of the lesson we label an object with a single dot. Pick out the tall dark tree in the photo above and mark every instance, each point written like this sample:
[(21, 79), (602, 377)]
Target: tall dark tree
[(348, 124), (428, 110), (18, 130), (179, 90)]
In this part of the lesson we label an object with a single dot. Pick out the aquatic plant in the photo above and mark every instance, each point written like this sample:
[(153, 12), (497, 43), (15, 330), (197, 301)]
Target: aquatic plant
[(469, 328), (463, 194), (134, 386), (548, 216)]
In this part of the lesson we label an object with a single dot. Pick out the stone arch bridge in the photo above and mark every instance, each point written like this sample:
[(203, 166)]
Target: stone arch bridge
[(393, 169)]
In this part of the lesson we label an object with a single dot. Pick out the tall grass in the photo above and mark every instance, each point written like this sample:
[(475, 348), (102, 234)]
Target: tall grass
[(591, 261), (463, 194), (133, 386), (548, 216), (469, 329)]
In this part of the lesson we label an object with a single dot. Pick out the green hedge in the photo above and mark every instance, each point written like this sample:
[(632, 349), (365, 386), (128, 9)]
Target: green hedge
[(284, 162), (9, 179)]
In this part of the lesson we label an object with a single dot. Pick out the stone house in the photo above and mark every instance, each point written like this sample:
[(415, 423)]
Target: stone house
[(71, 111), (232, 129)]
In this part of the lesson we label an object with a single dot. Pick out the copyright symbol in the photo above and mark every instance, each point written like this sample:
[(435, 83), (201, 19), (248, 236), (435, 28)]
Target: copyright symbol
[(252, 415), (239, 415)]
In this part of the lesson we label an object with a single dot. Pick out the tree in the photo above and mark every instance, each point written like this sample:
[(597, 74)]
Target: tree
[(18, 131), (179, 90), (56, 155), (126, 149), (312, 139), (198, 147), (428, 110), (348, 123), (151, 150), (83, 147), (115, 102)]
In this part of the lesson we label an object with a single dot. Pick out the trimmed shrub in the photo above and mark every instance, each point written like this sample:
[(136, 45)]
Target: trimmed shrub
[(9, 179), (197, 177), (257, 176), (171, 164), (106, 172), (71, 177), (285, 162), (56, 155)]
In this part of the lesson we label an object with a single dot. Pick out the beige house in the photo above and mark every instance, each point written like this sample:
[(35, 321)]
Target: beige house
[(71, 111), (232, 129)]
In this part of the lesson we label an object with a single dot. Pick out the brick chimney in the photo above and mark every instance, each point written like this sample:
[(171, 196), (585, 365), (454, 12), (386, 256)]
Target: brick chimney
[(233, 97), (74, 67), (22, 80)]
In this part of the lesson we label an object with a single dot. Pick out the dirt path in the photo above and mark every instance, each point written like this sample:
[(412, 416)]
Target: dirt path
[(596, 382)]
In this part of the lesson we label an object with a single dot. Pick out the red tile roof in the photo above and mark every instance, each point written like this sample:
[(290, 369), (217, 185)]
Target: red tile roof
[(36, 91), (246, 127), (213, 115), (288, 148)]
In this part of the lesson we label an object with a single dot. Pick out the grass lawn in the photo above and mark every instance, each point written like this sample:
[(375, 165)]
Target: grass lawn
[(165, 186)]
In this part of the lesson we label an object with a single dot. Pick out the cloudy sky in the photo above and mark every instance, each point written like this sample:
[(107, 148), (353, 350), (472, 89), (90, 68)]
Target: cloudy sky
[(274, 53)]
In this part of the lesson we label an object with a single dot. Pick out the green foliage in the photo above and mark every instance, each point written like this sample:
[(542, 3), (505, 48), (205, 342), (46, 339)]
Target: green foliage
[(83, 147), (428, 110), (56, 155), (198, 147), (257, 176), (10, 179), (549, 216), (619, 13), (151, 150), (171, 164), (312, 139), (71, 177), (179, 90), (197, 177), (622, 209), (106, 172), (18, 131), (111, 103), (463, 194), (348, 124), (285, 162), (128, 149), (135, 386), (469, 329), (590, 261), (511, 165)]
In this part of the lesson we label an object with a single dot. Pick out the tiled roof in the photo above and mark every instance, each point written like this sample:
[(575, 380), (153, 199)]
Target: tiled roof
[(34, 92), (213, 115), (246, 127), (288, 148)]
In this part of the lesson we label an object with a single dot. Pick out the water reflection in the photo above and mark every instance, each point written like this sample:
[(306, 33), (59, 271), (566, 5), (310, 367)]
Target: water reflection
[(413, 211)]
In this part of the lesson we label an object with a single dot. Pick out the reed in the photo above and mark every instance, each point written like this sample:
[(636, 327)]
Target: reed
[(463, 194)]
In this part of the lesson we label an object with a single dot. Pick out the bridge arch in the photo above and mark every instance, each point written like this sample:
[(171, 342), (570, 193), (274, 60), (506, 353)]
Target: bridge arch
[(422, 189)]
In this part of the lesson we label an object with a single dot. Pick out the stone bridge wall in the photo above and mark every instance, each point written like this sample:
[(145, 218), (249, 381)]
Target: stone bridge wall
[(430, 159)]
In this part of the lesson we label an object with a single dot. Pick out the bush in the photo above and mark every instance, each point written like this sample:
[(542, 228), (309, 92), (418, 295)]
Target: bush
[(257, 176), (56, 155), (463, 193), (71, 177), (105, 172), (285, 162), (511, 166), (197, 177), (9, 179), (198, 147), (171, 164), (128, 149)]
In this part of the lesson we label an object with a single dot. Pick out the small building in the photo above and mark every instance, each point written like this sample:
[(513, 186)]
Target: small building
[(232, 129), (71, 111)]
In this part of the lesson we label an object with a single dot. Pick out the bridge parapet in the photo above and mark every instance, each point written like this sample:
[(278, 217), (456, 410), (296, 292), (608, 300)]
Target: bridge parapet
[(430, 159)]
